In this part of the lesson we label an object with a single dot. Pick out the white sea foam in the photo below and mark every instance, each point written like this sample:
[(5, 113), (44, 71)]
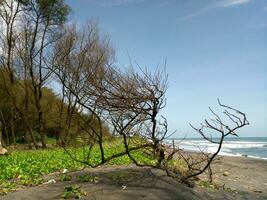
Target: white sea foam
[(227, 144), (229, 148), (257, 157)]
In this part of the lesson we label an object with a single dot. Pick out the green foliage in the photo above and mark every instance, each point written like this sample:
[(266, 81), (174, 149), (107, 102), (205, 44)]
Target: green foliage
[(88, 178), (6, 187), (178, 165), (73, 192), (213, 186), (65, 177), (27, 167), (54, 10), (29, 180), (208, 185), (54, 123), (120, 177)]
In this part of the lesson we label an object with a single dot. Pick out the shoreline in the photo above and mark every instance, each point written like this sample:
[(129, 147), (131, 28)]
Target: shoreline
[(229, 155), (253, 147)]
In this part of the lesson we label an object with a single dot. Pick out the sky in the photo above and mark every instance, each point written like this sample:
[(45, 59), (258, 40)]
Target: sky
[(214, 49)]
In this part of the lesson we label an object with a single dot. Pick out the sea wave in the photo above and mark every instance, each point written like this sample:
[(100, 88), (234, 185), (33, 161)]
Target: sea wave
[(257, 157), (227, 144), (251, 149)]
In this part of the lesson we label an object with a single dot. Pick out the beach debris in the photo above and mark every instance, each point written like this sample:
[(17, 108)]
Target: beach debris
[(3, 151), (124, 187), (254, 189), (51, 181), (226, 173), (257, 191), (95, 179)]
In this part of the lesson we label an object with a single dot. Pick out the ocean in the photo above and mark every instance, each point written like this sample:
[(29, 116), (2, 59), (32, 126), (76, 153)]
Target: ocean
[(254, 147)]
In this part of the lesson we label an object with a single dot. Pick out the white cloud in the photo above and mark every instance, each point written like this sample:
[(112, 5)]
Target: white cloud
[(115, 2), (231, 3), (195, 14), (108, 3), (215, 5)]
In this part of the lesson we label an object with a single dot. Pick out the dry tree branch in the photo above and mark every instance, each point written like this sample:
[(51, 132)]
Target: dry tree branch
[(224, 131)]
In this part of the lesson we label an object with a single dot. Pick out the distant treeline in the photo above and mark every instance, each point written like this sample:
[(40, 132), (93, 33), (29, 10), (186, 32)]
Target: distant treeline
[(61, 120)]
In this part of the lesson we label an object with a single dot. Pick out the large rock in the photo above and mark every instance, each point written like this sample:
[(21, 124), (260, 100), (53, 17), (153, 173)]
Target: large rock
[(3, 151)]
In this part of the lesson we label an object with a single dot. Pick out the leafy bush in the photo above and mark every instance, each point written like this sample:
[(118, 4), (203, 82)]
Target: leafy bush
[(65, 177), (73, 192), (88, 178)]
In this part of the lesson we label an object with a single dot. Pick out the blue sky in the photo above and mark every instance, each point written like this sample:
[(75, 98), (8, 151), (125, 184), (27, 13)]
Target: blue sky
[(214, 48)]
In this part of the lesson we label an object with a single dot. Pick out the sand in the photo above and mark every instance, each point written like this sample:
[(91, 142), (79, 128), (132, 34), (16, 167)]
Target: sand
[(245, 174), (246, 179)]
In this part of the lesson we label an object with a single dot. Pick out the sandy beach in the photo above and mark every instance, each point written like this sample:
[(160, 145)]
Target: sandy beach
[(242, 174), (238, 178)]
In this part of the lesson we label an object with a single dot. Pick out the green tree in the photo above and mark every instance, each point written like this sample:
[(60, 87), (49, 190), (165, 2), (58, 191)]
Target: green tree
[(25, 49)]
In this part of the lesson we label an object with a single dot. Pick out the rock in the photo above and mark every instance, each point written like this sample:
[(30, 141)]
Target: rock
[(226, 173), (3, 151)]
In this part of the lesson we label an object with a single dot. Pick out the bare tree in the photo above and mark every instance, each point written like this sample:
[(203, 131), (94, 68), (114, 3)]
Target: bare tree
[(214, 131), (84, 70), (129, 102), (133, 102), (79, 58), (9, 15), (39, 31)]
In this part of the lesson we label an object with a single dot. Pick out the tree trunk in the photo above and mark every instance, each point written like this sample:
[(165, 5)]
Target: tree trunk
[(13, 127), (40, 118), (1, 136), (4, 127)]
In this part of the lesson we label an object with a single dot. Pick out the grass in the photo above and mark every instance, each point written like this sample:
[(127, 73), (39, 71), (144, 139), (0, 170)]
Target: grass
[(28, 167), (207, 184)]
